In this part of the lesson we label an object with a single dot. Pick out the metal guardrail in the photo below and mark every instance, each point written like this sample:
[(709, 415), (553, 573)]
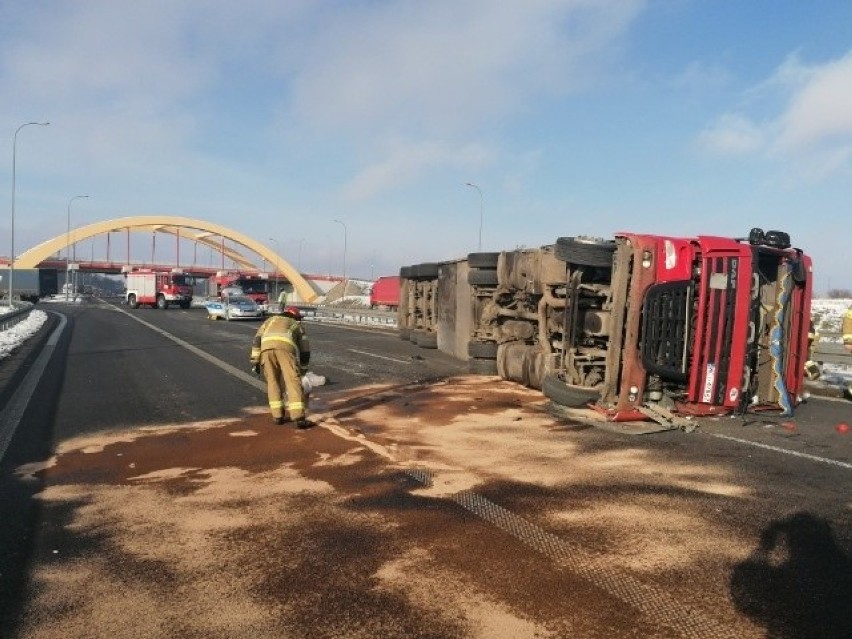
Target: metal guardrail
[(367, 316), (9, 319), (830, 350)]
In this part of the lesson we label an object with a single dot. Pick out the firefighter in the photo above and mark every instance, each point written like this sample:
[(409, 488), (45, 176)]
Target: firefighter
[(280, 349), (847, 330)]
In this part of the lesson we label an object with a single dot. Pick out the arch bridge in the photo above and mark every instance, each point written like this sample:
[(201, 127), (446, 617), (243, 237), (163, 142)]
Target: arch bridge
[(199, 231)]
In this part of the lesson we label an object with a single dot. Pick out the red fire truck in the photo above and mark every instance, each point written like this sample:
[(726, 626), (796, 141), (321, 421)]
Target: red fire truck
[(158, 288), (253, 285)]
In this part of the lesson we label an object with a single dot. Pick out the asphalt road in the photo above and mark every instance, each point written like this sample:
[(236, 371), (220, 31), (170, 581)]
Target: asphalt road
[(146, 494)]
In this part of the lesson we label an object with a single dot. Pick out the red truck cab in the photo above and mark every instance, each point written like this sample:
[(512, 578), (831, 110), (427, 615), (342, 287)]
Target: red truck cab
[(706, 325), (253, 285), (385, 293)]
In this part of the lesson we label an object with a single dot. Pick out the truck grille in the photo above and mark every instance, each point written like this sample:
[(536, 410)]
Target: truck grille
[(665, 330), (715, 343)]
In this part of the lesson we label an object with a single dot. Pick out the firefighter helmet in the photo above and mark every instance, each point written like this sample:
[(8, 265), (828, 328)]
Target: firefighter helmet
[(293, 312)]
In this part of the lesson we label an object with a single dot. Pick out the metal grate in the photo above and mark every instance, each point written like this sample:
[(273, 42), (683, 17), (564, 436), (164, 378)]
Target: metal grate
[(665, 330)]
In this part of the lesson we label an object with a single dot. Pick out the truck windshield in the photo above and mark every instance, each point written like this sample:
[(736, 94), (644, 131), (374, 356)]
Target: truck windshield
[(180, 280), (253, 286)]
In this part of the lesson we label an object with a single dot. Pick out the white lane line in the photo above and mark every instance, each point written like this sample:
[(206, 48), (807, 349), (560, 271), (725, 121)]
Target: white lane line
[(233, 370), (784, 451), (17, 406), (390, 359)]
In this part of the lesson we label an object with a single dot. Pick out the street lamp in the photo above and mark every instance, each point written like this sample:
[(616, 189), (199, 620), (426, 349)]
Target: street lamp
[(277, 264), (12, 256), (344, 254), (470, 184), (299, 263), (68, 243)]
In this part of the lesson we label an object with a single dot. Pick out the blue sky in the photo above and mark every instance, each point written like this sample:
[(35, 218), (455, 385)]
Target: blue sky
[(573, 117)]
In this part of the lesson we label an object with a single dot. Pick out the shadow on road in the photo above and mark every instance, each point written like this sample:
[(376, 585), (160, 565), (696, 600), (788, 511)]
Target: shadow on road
[(797, 582)]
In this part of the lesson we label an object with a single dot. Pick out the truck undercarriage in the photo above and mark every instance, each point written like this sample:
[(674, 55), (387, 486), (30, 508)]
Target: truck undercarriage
[(692, 326)]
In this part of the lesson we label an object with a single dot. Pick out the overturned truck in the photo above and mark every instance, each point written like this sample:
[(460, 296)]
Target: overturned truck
[(635, 327)]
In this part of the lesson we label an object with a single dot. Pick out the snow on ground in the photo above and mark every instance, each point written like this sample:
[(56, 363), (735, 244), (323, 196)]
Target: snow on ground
[(13, 337), (827, 316)]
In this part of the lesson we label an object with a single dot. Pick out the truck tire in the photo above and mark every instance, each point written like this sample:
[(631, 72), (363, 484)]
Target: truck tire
[(131, 301), (482, 350), (426, 271), (482, 277), (478, 366), (585, 252), (162, 303), (184, 305), (482, 260), (567, 394), (427, 339)]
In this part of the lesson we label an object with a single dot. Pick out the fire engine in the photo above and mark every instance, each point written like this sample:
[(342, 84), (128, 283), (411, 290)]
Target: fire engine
[(638, 326), (157, 288), (253, 285)]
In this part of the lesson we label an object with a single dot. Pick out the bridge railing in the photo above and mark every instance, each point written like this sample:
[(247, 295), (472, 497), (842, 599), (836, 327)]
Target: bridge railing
[(366, 316), (829, 349)]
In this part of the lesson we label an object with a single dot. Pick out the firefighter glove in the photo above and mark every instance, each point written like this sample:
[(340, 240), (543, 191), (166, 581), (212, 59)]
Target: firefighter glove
[(255, 368)]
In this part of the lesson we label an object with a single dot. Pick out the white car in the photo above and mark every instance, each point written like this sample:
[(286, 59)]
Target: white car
[(234, 307)]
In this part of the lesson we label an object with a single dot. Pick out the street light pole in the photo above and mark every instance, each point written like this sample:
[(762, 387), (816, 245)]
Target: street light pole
[(472, 185), (277, 265), (68, 243), (345, 233), (12, 256)]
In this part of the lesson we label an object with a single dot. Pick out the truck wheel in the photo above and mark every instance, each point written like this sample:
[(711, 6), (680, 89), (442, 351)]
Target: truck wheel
[(585, 252), (482, 350), (427, 271), (427, 339), (568, 394), (162, 303), (184, 305), (482, 260), (482, 277), (131, 301), (482, 366)]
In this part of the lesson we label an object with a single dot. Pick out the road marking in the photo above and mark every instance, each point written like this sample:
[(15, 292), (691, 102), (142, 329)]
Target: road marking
[(785, 451), (11, 416), (233, 370), (390, 359)]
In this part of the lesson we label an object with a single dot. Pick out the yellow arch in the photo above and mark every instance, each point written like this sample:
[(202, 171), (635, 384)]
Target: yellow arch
[(172, 225)]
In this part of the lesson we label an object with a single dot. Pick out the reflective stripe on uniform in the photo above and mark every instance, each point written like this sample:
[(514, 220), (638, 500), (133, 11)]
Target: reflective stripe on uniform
[(276, 404), (295, 406), (277, 338)]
